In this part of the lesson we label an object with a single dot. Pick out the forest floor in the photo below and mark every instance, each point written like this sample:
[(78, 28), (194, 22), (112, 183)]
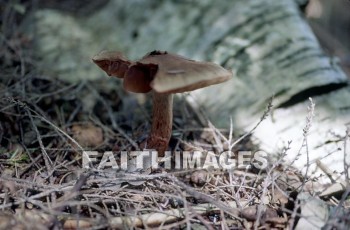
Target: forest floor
[(46, 122)]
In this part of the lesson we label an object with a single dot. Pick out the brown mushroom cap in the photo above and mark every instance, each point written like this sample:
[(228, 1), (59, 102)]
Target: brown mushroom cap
[(177, 74), (113, 63), (139, 76)]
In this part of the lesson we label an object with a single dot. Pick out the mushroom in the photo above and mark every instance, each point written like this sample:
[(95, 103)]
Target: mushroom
[(166, 74), (113, 63)]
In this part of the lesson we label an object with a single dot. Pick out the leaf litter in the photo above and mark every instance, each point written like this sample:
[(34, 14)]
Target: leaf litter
[(46, 122)]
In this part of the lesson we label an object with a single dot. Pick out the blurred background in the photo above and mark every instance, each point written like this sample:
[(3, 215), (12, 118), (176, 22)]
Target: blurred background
[(84, 28), (330, 21)]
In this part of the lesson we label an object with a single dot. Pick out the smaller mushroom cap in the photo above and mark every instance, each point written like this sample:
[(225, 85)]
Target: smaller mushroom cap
[(113, 63), (177, 74)]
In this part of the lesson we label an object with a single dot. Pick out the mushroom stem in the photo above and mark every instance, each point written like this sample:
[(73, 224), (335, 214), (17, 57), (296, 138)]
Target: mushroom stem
[(162, 122)]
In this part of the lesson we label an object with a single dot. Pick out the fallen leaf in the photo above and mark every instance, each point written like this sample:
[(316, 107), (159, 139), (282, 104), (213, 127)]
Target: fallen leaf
[(87, 135)]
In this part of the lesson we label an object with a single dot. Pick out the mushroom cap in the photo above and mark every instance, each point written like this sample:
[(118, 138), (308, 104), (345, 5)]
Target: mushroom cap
[(139, 76), (113, 63), (177, 74)]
